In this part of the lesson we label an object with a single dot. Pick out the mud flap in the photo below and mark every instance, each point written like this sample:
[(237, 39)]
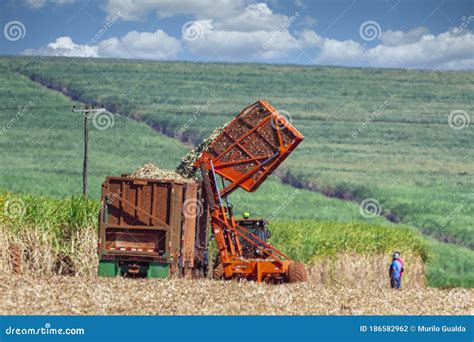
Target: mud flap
[(158, 270), (108, 268)]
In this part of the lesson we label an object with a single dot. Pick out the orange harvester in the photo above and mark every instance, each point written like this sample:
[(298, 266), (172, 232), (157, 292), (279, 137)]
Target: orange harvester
[(251, 146)]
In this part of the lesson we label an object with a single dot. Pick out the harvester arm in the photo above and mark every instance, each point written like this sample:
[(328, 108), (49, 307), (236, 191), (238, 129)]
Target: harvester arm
[(249, 149)]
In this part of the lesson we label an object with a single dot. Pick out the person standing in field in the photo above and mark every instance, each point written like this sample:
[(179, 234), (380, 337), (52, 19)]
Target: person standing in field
[(396, 271)]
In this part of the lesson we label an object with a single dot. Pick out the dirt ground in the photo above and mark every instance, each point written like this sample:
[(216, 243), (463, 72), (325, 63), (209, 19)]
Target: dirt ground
[(92, 295)]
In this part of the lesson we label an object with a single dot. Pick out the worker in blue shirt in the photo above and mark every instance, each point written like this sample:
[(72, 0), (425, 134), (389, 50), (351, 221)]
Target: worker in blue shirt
[(396, 271)]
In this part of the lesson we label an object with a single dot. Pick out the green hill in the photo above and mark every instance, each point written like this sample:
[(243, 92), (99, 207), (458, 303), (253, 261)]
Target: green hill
[(380, 134)]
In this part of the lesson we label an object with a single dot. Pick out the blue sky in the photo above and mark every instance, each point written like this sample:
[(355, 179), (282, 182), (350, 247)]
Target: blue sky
[(434, 34)]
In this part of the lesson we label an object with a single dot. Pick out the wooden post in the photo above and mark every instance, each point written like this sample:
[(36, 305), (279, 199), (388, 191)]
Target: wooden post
[(88, 111), (86, 146)]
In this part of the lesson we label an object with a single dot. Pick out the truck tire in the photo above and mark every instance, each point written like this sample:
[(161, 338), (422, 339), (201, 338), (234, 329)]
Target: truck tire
[(218, 273), (297, 273)]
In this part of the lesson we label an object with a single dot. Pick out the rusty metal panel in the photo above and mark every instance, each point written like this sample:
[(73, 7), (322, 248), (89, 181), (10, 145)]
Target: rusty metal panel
[(151, 241), (176, 202), (136, 216), (191, 208), (163, 199), (130, 199), (144, 218), (202, 228), (113, 204), (253, 145), (131, 202)]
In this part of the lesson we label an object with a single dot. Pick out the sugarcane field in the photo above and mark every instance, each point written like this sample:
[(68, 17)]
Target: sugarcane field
[(40, 280), (225, 170)]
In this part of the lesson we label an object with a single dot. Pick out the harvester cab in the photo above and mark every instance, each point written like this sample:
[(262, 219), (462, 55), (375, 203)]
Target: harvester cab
[(242, 156), (259, 228)]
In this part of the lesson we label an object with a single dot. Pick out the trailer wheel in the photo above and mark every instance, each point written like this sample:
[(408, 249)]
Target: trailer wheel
[(218, 273), (297, 273)]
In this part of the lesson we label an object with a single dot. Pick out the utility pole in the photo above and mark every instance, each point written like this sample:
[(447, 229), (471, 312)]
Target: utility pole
[(88, 112), (86, 147)]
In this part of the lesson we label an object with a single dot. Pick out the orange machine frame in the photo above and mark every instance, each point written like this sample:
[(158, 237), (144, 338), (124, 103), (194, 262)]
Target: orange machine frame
[(228, 234)]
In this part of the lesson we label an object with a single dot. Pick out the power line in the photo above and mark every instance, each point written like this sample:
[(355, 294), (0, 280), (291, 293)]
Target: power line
[(319, 119), (30, 108)]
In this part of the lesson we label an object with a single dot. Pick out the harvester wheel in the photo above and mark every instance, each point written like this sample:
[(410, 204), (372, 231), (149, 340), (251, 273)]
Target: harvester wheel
[(218, 273), (297, 273)]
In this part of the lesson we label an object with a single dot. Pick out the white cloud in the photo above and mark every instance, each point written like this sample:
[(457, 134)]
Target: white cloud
[(239, 31), (238, 45), (394, 38), (35, 4), (442, 51), (256, 33), (139, 10), (338, 52), (145, 45), (416, 48), (64, 46), (254, 17)]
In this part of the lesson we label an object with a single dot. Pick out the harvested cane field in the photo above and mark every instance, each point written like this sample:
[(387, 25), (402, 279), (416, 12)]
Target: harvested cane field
[(91, 295), (48, 265)]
